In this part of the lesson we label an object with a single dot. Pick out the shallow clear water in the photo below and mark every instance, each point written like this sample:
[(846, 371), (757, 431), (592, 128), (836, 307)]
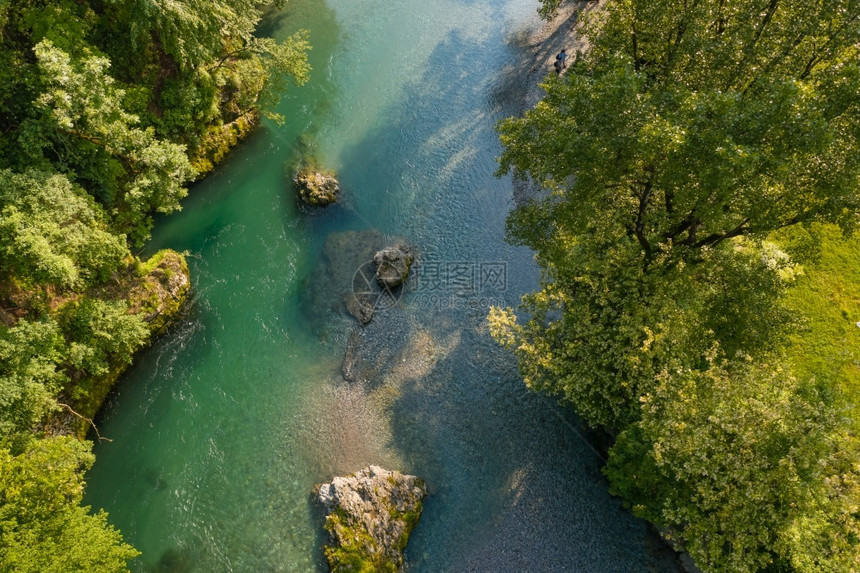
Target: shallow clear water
[(222, 427)]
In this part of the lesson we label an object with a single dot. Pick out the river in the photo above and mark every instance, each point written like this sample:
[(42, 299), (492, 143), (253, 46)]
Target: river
[(221, 429)]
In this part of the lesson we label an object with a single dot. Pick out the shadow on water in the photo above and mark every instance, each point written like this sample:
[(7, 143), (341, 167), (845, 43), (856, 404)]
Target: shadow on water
[(442, 132), (175, 560)]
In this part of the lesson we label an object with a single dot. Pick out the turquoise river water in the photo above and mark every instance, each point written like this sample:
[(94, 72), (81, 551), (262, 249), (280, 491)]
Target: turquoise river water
[(221, 429)]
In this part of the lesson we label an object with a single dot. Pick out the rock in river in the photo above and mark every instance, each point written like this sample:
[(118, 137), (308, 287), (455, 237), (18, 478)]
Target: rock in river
[(392, 265), (370, 516), (316, 188), (344, 279), (360, 306)]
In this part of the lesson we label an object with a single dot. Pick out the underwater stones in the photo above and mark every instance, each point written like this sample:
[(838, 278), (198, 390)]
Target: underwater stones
[(374, 348), (346, 278), (360, 306), (175, 560), (316, 187), (392, 265), (370, 515)]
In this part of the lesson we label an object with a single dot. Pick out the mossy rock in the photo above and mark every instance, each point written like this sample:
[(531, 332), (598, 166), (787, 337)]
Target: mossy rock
[(217, 141), (370, 516), (392, 265), (316, 187), (162, 290)]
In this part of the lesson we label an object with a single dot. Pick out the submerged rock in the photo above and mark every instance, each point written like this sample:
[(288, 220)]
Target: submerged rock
[(375, 348), (392, 265), (316, 188), (344, 279), (360, 306), (329, 287), (370, 515)]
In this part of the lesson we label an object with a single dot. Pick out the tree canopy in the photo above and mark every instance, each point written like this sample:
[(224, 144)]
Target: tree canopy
[(52, 232), (43, 527), (83, 122), (127, 98), (108, 109), (31, 358), (690, 123), (669, 155)]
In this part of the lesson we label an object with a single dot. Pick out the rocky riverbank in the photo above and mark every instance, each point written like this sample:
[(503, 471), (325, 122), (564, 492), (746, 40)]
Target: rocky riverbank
[(540, 48), (560, 33), (156, 290)]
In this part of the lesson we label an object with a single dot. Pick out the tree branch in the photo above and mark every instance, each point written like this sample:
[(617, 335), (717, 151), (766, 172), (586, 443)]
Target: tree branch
[(635, 49), (84, 418), (767, 69), (639, 229), (716, 238), (229, 55), (635, 41), (679, 32), (721, 21), (816, 58), (771, 9), (750, 50), (686, 223), (669, 197), (125, 159)]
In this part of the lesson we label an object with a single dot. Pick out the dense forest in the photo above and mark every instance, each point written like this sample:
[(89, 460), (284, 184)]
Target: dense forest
[(108, 109), (700, 168)]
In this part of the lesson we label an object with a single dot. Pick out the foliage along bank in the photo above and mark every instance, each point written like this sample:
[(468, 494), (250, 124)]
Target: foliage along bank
[(108, 109), (684, 157)]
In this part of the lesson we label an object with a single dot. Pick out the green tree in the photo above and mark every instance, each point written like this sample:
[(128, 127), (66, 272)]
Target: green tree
[(85, 124), (690, 123), (212, 43), (89, 151), (737, 461), (192, 32), (43, 527), (602, 328), (31, 358), (280, 64), (190, 78), (686, 125), (101, 333), (678, 131), (668, 154), (52, 232), (66, 24)]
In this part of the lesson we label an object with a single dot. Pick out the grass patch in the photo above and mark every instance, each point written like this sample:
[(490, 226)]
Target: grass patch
[(826, 301)]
